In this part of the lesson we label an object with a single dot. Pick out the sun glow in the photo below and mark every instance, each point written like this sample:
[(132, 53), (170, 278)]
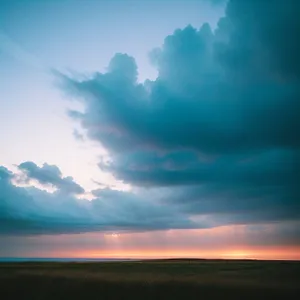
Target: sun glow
[(263, 254), (238, 254), (113, 235)]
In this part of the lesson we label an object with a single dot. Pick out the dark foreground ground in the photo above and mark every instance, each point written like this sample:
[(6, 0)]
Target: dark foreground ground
[(164, 279)]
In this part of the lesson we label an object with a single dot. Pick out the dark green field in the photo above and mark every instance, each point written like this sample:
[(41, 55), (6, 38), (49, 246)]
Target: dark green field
[(161, 279)]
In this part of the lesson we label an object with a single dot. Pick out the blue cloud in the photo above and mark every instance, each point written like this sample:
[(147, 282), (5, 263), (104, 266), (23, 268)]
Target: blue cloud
[(49, 174), (221, 123), (29, 210)]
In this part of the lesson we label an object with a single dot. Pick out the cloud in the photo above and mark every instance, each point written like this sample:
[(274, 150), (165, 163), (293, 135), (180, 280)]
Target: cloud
[(50, 174), (218, 130), (213, 141), (29, 210)]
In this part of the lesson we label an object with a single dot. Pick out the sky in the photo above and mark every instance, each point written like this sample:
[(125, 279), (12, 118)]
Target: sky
[(150, 129)]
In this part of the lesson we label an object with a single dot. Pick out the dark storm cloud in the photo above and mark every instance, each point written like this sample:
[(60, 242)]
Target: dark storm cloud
[(220, 125), (49, 174), (268, 30), (253, 188), (210, 96), (28, 210)]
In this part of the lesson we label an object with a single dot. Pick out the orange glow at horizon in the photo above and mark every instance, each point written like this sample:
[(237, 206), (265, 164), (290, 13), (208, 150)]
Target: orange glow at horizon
[(224, 242), (292, 253)]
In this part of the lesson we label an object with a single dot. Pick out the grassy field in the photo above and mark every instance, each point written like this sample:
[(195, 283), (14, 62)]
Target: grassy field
[(157, 279)]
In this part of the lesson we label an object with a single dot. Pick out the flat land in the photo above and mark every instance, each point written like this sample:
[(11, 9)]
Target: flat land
[(156, 279)]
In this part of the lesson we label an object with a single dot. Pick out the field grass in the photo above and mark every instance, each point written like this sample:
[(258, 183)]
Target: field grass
[(156, 279)]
